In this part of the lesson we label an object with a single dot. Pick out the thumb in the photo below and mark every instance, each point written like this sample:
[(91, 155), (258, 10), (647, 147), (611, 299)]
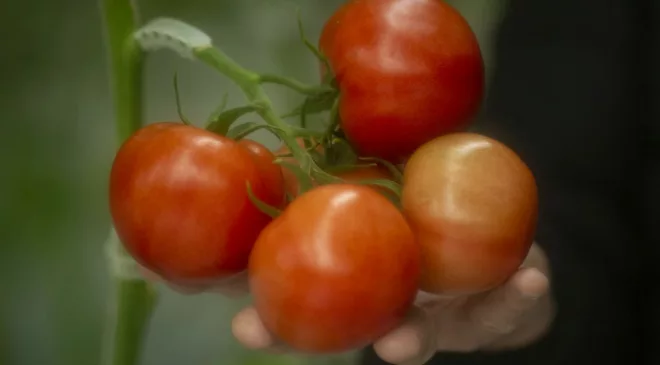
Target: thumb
[(251, 332), (499, 313), (412, 343)]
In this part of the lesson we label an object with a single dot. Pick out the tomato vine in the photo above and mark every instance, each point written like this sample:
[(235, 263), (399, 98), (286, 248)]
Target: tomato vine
[(191, 42)]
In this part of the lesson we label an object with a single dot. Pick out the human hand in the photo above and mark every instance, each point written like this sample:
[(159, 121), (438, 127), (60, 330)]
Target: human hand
[(512, 315)]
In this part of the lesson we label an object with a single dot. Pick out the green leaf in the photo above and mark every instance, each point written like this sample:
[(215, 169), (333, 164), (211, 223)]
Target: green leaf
[(339, 152), (221, 108), (177, 97), (315, 51), (224, 121), (314, 104), (262, 206), (172, 34)]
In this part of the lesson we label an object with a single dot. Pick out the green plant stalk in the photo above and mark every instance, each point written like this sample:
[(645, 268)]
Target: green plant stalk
[(134, 297), (250, 84), (126, 60), (135, 302), (294, 84)]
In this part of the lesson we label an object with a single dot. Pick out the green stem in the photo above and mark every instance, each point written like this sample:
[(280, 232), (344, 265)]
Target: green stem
[(135, 302), (134, 296), (250, 84), (125, 64), (294, 84)]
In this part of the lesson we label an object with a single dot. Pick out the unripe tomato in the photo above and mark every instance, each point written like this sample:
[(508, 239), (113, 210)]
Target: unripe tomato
[(408, 71), (336, 271), (179, 202), (472, 203)]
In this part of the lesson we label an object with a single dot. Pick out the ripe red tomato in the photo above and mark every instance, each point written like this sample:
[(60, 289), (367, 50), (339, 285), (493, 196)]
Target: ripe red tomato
[(271, 173), (408, 71), (472, 203), (337, 270), (179, 202)]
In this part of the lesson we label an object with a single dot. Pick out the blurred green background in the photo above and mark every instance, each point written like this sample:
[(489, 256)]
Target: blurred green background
[(56, 147)]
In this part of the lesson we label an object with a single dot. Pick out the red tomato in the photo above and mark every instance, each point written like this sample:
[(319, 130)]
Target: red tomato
[(336, 271), (271, 173), (408, 71), (472, 203), (179, 202)]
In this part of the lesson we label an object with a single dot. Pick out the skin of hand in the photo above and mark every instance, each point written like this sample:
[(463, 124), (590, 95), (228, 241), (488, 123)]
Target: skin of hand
[(510, 316)]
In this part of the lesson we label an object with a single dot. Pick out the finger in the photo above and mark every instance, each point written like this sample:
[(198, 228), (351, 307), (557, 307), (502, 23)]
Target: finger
[(500, 311), (250, 331), (412, 343)]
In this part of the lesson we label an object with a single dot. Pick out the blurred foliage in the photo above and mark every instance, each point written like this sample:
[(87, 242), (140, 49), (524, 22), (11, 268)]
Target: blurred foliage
[(56, 146)]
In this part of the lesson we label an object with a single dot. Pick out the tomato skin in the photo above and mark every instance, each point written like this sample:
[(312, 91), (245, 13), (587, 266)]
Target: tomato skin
[(271, 173), (336, 271), (473, 205), (408, 71), (179, 202)]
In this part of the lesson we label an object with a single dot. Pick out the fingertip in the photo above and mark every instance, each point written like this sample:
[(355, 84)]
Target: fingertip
[(250, 331), (531, 283), (406, 343)]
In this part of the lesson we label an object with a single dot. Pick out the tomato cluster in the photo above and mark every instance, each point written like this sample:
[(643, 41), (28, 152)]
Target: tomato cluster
[(335, 266)]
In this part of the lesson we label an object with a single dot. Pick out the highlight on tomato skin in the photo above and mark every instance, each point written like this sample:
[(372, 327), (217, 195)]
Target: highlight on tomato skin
[(408, 71), (473, 205), (336, 271), (179, 202)]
